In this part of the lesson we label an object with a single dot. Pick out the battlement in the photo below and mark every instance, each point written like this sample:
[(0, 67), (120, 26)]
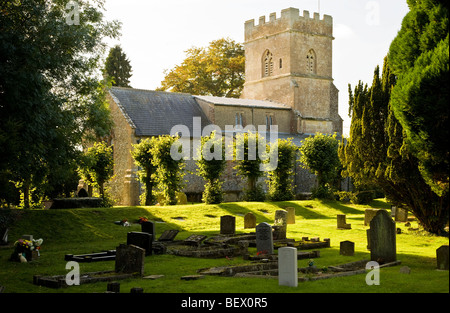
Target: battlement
[(290, 20)]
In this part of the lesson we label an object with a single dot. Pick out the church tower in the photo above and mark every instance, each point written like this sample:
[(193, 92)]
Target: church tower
[(289, 60)]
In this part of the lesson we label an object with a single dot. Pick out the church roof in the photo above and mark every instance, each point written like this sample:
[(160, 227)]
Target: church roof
[(243, 102), (154, 113)]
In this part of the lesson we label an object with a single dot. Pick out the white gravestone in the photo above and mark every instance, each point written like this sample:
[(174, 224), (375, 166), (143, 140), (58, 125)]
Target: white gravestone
[(287, 267)]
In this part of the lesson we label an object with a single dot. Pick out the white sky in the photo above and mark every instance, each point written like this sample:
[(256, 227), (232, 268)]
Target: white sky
[(155, 34)]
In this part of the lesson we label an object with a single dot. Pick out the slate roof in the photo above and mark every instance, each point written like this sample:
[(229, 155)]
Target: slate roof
[(154, 113), (244, 102)]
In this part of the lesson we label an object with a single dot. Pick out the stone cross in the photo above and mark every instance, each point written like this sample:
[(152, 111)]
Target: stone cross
[(249, 220), (382, 236), (264, 238), (287, 267), (227, 225)]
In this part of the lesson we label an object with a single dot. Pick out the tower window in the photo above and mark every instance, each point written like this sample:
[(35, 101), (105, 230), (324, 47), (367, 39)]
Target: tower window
[(311, 62), (239, 121), (267, 64), (281, 63)]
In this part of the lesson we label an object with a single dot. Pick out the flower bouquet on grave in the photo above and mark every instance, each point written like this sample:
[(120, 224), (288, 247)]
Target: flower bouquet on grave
[(26, 250), (142, 219), (123, 222)]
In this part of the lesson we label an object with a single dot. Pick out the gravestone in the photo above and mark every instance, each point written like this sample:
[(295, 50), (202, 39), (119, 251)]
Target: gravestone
[(168, 235), (148, 227), (341, 223), (287, 267), (264, 238), (382, 237), (442, 254), (401, 215), (4, 236), (227, 225), (290, 215), (280, 225), (113, 287), (140, 239), (368, 215), (129, 259), (249, 220), (347, 248)]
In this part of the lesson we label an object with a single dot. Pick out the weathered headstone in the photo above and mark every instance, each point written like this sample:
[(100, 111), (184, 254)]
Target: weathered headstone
[(113, 287), (290, 215), (347, 248), (280, 225), (148, 227), (168, 235), (287, 267), (264, 238), (227, 225), (129, 259), (140, 239), (382, 236), (368, 215), (401, 215), (249, 220), (442, 254), (341, 223)]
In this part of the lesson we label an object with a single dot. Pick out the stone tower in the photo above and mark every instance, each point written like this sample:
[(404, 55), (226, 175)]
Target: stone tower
[(289, 60)]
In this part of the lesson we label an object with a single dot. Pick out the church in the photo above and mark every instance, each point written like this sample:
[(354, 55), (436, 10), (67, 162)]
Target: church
[(289, 83)]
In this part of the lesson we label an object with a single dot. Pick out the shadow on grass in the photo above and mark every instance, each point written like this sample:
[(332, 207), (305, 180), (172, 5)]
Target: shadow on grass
[(305, 211)]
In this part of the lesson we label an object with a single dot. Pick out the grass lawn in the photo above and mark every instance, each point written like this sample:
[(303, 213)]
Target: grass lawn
[(80, 231)]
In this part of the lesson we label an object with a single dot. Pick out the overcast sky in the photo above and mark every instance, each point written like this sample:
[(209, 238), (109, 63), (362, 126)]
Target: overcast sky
[(155, 34)]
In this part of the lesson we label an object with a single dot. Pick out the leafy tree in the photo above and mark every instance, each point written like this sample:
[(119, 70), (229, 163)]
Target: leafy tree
[(217, 70), (319, 154), (50, 96), (169, 168), (211, 164), (376, 154), (281, 186), (247, 156), (118, 67), (143, 157), (98, 166), (419, 57)]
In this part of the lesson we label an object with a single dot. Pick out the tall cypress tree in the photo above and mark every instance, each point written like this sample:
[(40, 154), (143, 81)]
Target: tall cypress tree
[(118, 67), (376, 154)]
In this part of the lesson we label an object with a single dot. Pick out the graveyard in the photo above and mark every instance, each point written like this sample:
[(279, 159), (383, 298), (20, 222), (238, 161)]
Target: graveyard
[(240, 247)]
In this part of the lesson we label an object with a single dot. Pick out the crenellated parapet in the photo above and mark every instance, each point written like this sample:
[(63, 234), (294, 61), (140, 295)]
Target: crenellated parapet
[(290, 20)]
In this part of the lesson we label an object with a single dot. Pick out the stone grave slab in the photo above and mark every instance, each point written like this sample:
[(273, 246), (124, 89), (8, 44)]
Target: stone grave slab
[(227, 225), (264, 238), (249, 220), (382, 236), (130, 259), (168, 235), (287, 267), (140, 239), (442, 255), (341, 223)]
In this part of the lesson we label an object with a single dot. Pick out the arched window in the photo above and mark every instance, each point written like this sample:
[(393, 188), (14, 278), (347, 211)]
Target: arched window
[(267, 64), (311, 62)]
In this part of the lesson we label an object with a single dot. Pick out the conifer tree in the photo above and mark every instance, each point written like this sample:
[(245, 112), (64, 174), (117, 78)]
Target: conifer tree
[(118, 67)]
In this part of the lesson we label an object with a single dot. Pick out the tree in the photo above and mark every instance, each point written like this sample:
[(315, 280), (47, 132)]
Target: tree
[(419, 57), (281, 186), (217, 70), (143, 157), (211, 164), (249, 161), (50, 96), (376, 153), (319, 154), (169, 166), (98, 166), (118, 67)]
